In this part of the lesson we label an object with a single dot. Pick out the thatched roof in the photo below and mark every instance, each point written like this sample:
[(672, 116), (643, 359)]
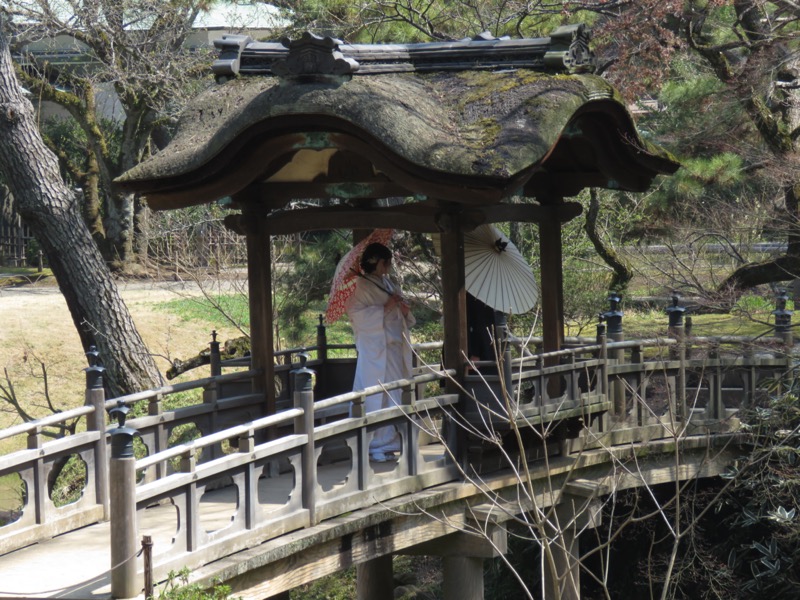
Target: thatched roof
[(428, 121)]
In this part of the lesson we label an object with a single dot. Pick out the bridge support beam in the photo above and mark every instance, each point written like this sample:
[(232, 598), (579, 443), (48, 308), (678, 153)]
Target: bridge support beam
[(561, 578), (463, 578), (462, 558), (578, 510), (375, 578)]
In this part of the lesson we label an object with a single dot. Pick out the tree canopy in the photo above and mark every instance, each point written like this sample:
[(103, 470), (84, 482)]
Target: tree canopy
[(134, 53)]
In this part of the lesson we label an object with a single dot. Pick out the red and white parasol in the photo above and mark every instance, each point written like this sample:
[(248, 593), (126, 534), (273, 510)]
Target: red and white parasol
[(344, 279)]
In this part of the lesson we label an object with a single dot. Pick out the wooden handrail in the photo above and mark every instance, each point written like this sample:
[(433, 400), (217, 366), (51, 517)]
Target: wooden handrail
[(282, 417), (179, 387), (219, 436), (377, 389), (49, 421)]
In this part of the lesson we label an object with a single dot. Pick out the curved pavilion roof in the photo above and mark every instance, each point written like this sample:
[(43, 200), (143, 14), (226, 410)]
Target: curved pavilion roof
[(473, 122)]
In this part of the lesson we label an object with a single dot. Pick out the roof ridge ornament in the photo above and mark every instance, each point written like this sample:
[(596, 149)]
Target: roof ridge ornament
[(569, 47), (230, 48), (312, 56)]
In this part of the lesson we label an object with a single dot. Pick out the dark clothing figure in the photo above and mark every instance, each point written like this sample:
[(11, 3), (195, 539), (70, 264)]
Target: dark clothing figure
[(480, 329)]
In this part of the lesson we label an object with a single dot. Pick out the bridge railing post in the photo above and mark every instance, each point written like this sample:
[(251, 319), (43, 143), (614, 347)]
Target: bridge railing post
[(122, 476), (602, 341), (503, 352), (155, 407), (677, 330), (303, 396), (613, 319), (322, 341), (682, 411), (602, 369), (214, 357), (714, 405), (211, 394), (96, 397), (322, 353), (358, 410), (783, 328)]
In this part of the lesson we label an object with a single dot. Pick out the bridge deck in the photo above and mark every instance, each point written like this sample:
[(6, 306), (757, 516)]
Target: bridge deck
[(77, 564)]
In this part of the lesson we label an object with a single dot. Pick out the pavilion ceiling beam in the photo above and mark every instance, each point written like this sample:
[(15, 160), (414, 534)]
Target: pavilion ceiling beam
[(417, 217), (283, 192), (311, 219)]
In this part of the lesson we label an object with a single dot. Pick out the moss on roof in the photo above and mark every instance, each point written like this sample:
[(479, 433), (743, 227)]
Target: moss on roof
[(478, 123)]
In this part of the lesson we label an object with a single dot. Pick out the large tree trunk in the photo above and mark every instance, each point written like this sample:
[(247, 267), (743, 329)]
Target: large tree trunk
[(52, 212)]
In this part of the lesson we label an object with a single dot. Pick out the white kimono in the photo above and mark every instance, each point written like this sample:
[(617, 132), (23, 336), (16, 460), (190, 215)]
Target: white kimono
[(384, 349)]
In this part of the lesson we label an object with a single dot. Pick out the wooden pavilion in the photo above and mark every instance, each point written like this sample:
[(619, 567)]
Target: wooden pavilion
[(459, 130)]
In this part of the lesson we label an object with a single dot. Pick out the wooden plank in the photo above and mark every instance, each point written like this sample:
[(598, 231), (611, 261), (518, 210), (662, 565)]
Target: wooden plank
[(491, 545), (417, 216), (216, 468), (70, 444), (334, 555), (55, 526)]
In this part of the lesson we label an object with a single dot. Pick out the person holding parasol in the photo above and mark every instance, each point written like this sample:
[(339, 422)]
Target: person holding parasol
[(381, 319)]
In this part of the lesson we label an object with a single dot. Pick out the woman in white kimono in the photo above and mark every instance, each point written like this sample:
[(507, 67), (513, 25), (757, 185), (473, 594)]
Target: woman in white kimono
[(380, 319)]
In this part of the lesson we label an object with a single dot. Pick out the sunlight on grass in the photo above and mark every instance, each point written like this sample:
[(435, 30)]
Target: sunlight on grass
[(210, 309), (11, 276), (751, 316)]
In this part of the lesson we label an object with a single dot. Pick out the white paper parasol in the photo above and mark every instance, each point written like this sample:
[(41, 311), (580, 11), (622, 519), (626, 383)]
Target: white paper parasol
[(496, 273)]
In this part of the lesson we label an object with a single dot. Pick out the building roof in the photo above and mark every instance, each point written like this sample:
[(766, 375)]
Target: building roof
[(471, 121)]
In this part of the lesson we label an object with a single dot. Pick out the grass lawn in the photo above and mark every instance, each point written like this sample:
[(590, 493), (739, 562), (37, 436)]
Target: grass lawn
[(13, 276), (752, 316)]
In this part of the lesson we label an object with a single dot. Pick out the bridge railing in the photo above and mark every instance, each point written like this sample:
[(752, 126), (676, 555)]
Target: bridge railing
[(633, 384), (214, 403), (699, 380), (33, 471), (30, 472), (267, 484)]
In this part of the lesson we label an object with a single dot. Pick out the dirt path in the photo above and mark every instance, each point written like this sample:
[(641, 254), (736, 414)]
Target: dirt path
[(35, 327)]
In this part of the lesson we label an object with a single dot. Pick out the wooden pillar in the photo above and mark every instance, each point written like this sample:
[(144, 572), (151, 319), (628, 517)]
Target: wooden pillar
[(454, 309), (96, 397), (578, 510), (375, 579), (122, 500), (463, 578), (259, 280), (454, 302), (463, 554), (552, 293)]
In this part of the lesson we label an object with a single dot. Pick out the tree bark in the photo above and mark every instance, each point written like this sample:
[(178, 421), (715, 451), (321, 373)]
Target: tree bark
[(53, 213), (622, 272)]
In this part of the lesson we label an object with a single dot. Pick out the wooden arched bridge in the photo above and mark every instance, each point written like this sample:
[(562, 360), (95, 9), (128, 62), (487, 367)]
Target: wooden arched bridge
[(267, 503)]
